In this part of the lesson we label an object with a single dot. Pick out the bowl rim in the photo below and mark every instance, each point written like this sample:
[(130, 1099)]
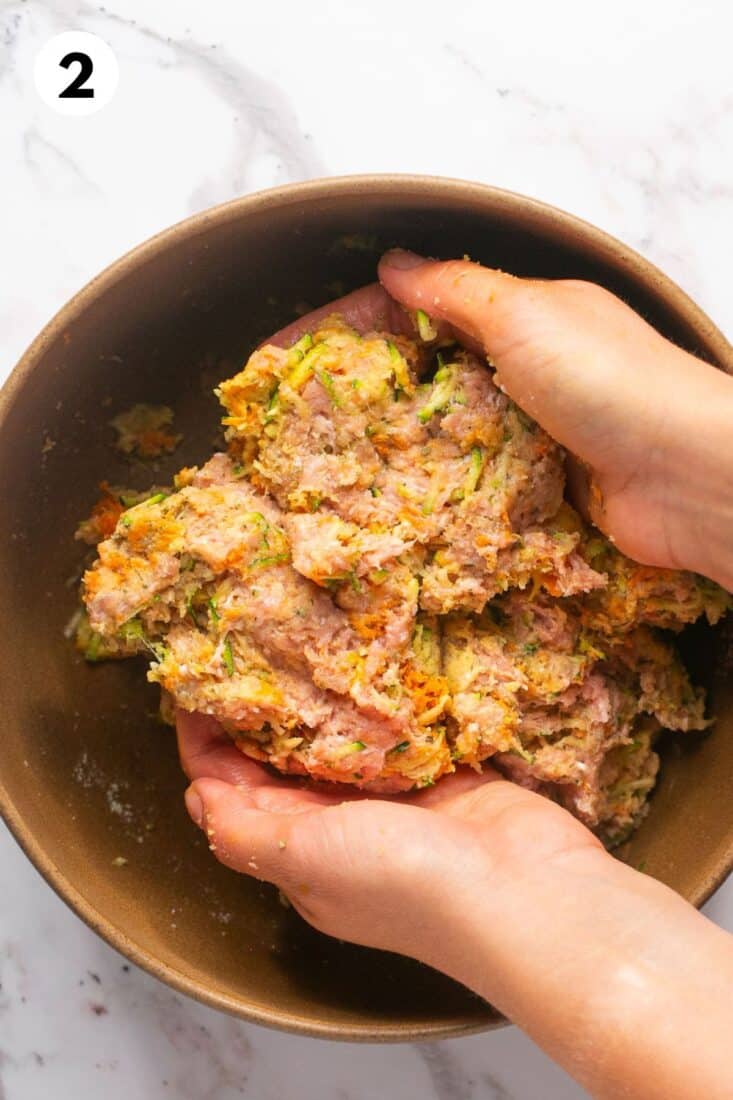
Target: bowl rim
[(510, 204)]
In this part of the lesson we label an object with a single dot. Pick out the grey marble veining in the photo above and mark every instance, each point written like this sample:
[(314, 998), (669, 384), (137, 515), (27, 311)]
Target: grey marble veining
[(623, 117)]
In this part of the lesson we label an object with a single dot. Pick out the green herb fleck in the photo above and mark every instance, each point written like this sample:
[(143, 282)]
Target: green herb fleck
[(228, 657)]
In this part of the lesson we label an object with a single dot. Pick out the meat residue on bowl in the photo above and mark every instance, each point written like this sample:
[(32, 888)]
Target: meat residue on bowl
[(145, 431)]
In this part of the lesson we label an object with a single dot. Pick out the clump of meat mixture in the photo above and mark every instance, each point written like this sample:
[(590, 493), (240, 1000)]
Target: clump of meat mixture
[(381, 579), (145, 431)]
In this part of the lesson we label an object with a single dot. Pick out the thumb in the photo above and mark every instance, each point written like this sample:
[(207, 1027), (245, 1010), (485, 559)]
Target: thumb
[(471, 298), (543, 356), (576, 358), (240, 835)]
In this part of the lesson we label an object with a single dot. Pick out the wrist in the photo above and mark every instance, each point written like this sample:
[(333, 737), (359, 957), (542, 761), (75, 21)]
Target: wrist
[(507, 928), (604, 968)]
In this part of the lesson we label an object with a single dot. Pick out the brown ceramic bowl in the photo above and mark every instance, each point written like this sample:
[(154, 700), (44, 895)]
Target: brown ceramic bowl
[(87, 775)]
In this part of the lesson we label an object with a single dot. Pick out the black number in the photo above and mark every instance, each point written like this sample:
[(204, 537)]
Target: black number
[(76, 89)]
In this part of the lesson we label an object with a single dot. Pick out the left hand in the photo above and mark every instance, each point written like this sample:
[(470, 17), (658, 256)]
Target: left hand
[(385, 872)]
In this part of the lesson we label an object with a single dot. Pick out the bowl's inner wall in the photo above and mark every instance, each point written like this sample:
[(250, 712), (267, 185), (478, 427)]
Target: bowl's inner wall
[(87, 766)]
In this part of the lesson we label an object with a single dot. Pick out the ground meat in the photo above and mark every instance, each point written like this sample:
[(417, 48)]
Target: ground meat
[(548, 700), (381, 580)]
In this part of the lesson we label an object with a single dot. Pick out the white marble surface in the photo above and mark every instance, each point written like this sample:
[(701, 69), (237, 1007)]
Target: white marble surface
[(621, 114)]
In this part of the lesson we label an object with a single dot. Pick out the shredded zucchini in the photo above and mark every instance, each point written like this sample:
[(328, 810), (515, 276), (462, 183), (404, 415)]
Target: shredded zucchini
[(444, 389), (426, 330)]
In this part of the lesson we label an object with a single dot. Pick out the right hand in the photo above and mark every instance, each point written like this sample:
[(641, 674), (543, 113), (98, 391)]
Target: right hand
[(650, 423), (606, 968)]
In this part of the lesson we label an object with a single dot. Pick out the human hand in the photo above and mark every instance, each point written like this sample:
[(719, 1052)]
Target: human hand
[(607, 969), (492, 884), (651, 422), (393, 873)]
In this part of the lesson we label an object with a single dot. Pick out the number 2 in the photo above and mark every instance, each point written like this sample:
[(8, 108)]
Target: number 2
[(76, 89)]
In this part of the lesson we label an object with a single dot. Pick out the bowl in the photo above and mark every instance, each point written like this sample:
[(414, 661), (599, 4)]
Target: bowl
[(89, 780)]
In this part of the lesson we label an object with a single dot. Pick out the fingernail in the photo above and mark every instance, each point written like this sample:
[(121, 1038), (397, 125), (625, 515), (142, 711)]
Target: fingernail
[(195, 806), (402, 260)]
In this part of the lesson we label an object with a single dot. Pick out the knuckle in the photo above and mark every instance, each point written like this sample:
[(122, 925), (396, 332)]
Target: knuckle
[(581, 292)]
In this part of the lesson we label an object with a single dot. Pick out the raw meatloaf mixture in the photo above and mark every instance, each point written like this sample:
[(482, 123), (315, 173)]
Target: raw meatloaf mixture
[(381, 579)]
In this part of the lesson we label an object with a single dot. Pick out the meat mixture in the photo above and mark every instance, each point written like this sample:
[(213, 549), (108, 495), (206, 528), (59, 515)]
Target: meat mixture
[(381, 579)]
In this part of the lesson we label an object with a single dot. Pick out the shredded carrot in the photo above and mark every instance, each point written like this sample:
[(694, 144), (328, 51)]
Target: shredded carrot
[(106, 511), (156, 441), (427, 689)]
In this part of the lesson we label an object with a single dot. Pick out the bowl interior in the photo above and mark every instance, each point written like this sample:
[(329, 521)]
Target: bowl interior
[(88, 774)]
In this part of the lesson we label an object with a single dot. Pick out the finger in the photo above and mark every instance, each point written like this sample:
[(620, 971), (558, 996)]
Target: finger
[(241, 836), (462, 337), (366, 309), (284, 797), (206, 751), (471, 298)]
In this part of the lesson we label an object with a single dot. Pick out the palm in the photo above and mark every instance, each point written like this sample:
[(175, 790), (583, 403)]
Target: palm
[(344, 859)]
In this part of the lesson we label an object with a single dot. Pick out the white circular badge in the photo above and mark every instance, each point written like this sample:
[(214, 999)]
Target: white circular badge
[(76, 73)]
